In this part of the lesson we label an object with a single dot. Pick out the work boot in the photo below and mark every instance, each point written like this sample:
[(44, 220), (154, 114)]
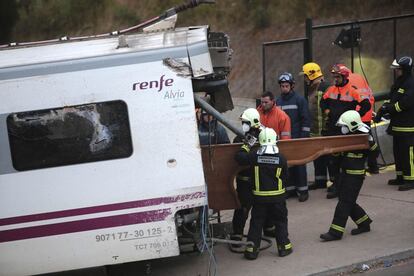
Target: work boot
[(328, 236), (236, 237), (360, 230), (406, 187), (251, 252), (303, 196), (395, 182), (291, 193), (373, 170), (332, 193), (315, 186), (285, 252), (269, 232)]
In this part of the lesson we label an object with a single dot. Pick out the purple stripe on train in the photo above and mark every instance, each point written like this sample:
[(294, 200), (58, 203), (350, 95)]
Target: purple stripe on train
[(101, 208), (82, 225)]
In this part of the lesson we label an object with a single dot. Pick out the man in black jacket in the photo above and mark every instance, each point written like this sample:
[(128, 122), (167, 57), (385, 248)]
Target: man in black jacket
[(269, 174), (400, 107)]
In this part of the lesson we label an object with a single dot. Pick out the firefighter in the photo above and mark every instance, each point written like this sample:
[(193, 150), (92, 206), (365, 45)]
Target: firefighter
[(340, 97), (269, 172), (316, 88), (251, 126), (401, 110), (296, 107), (352, 166)]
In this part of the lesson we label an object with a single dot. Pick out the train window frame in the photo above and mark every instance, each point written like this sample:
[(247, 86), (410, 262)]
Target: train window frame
[(69, 135)]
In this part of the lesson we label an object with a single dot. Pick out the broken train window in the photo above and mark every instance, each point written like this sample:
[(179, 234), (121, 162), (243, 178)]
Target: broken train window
[(69, 135)]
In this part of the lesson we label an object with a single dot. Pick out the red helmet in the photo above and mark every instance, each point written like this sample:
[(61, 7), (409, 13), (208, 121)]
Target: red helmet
[(341, 69)]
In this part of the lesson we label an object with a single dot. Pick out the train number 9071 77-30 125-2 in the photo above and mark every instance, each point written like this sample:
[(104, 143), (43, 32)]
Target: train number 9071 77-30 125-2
[(133, 235)]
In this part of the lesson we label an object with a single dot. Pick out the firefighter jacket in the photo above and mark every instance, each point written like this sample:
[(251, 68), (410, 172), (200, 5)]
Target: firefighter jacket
[(268, 174), (243, 175), (366, 93), (338, 99), (401, 106), (353, 162), (296, 107), (278, 120), (318, 118)]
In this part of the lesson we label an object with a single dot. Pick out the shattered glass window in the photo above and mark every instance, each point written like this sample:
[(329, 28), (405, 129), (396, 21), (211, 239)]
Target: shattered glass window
[(69, 135)]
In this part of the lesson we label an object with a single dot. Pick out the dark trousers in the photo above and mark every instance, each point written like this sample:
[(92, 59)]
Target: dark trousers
[(372, 154), (403, 156), (321, 170), (277, 212), (334, 163), (240, 216), (298, 179), (348, 191), (372, 159)]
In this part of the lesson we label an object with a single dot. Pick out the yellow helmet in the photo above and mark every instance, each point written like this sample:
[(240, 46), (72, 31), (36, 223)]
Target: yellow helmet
[(312, 70), (267, 137)]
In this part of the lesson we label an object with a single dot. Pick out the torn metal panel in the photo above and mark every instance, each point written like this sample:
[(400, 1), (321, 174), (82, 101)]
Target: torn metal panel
[(182, 68)]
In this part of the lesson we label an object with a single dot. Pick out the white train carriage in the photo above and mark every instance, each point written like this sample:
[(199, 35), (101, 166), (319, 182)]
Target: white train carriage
[(98, 149)]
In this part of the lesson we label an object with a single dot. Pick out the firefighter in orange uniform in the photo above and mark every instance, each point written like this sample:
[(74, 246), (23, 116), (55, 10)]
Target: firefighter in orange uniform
[(340, 97)]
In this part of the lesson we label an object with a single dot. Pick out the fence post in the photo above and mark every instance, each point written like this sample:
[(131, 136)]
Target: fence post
[(307, 49), (263, 68)]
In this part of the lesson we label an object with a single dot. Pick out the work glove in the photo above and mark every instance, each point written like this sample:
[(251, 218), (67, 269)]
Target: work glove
[(386, 107), (377, 117)]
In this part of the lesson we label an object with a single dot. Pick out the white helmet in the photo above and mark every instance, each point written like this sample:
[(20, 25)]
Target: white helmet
[(350, 121), (250, 119), (267, 140), (267, 137)]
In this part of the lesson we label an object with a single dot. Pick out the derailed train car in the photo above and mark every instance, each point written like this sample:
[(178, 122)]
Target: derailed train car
[(100, 161), (99, 148)]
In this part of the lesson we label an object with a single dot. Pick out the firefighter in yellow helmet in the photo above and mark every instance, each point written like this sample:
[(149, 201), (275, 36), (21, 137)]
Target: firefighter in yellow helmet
[(316, 88), (269, 170)]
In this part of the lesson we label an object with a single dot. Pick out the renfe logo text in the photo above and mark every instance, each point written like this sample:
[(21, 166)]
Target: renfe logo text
[(153, 84)]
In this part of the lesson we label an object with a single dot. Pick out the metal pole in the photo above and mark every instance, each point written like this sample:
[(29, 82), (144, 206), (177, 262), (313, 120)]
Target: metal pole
[(263, 68), (394, 43), (212, 111), (308, 42), (352, 47), (395, 38), (307, 49)]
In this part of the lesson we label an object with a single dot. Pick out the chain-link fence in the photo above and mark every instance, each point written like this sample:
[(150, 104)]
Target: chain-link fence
[(369, 49)]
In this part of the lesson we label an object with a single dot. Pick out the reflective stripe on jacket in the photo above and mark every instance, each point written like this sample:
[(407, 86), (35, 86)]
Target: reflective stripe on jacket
[(366, 93), (338, 99), (296, 107), (402, 106), (269, 174)]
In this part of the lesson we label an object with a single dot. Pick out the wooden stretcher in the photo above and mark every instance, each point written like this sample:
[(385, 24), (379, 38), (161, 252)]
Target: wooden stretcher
[(220, 167)]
